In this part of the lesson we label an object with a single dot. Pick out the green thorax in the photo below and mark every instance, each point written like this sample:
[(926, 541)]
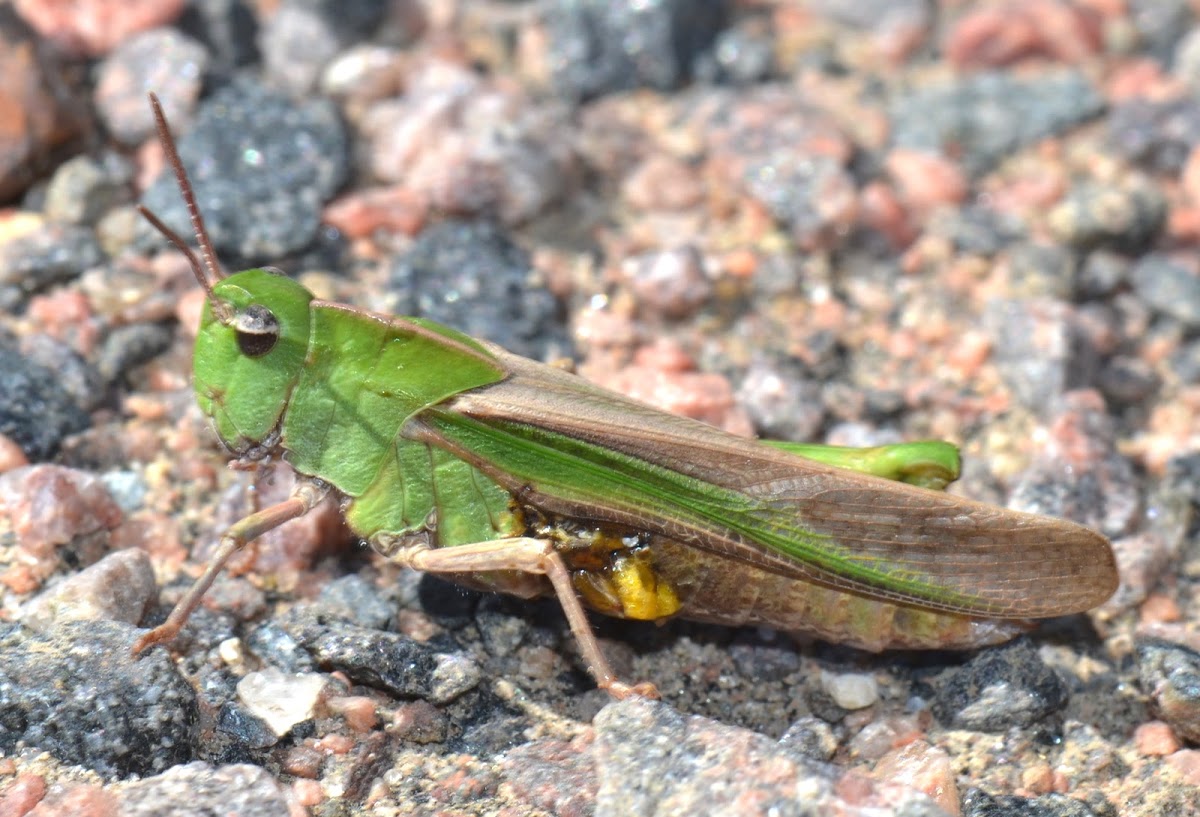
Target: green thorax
[(364, 377)]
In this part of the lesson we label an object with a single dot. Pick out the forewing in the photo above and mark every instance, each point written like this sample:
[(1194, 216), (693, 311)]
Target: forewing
[(572, 448)]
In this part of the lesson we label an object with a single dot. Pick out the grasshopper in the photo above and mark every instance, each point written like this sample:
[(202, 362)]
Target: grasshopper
[(453, 456)]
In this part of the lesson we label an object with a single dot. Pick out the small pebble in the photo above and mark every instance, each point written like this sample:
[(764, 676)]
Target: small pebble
[(84, 188), (1001, 35), (661, 376), (926, 768), (850, 690), (357, 710), (1158, 608), (420, 722), (1038, 778), (925, 181), (662, 183), (365, 73), (782, 402), (362, 213), (455, 674), (1170, 675), (162, 60), (20, 797), (1170, 286), (45, 111), (11, 455), (672, 283), (1156, 739), (92, 28), (281, 699), (57, 513), (232, 651), (304, 761), (469, 148), (119, 587), (1187, 763), (336, 744), (811, 737), (296, 45), (882, 735), (307, 793), (199, 788)]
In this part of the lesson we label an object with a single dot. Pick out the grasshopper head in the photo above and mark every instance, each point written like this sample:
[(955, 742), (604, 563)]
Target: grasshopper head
[(249, 351), (253, 334)]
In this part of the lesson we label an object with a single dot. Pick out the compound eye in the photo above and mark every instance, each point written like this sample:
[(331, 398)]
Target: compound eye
[(257, 330)]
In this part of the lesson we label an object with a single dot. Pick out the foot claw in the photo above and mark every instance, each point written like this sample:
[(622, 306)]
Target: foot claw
[(620, 690), (158, 635)]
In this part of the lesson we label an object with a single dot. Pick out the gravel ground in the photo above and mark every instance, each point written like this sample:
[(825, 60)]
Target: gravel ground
[(848, 222)]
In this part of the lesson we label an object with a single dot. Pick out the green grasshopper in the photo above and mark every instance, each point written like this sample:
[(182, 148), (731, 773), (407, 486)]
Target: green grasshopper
[(455, 457)]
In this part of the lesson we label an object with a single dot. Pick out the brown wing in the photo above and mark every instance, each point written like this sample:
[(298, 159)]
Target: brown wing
[(874, 536)]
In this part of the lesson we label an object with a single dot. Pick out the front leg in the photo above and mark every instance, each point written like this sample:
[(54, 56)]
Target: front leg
[(304, 498), (527, 555)]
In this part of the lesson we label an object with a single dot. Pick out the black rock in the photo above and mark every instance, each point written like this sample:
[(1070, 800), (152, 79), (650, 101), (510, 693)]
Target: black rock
[(49, 255), (244, 729), (227, 27), (1170, 675), (356, 600), (36, 412), (79, 695), (262, 166), (998, 689), (471, 276), (1126, 217), (987, 116), (1168, 287), (387, 661), (275, 646), (597, 46), (131, 345), (1157, 135), (979, 804)]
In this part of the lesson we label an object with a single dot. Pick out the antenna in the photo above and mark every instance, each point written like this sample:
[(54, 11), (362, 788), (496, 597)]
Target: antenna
[(185, 188), (189, 197), (179, 243)]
